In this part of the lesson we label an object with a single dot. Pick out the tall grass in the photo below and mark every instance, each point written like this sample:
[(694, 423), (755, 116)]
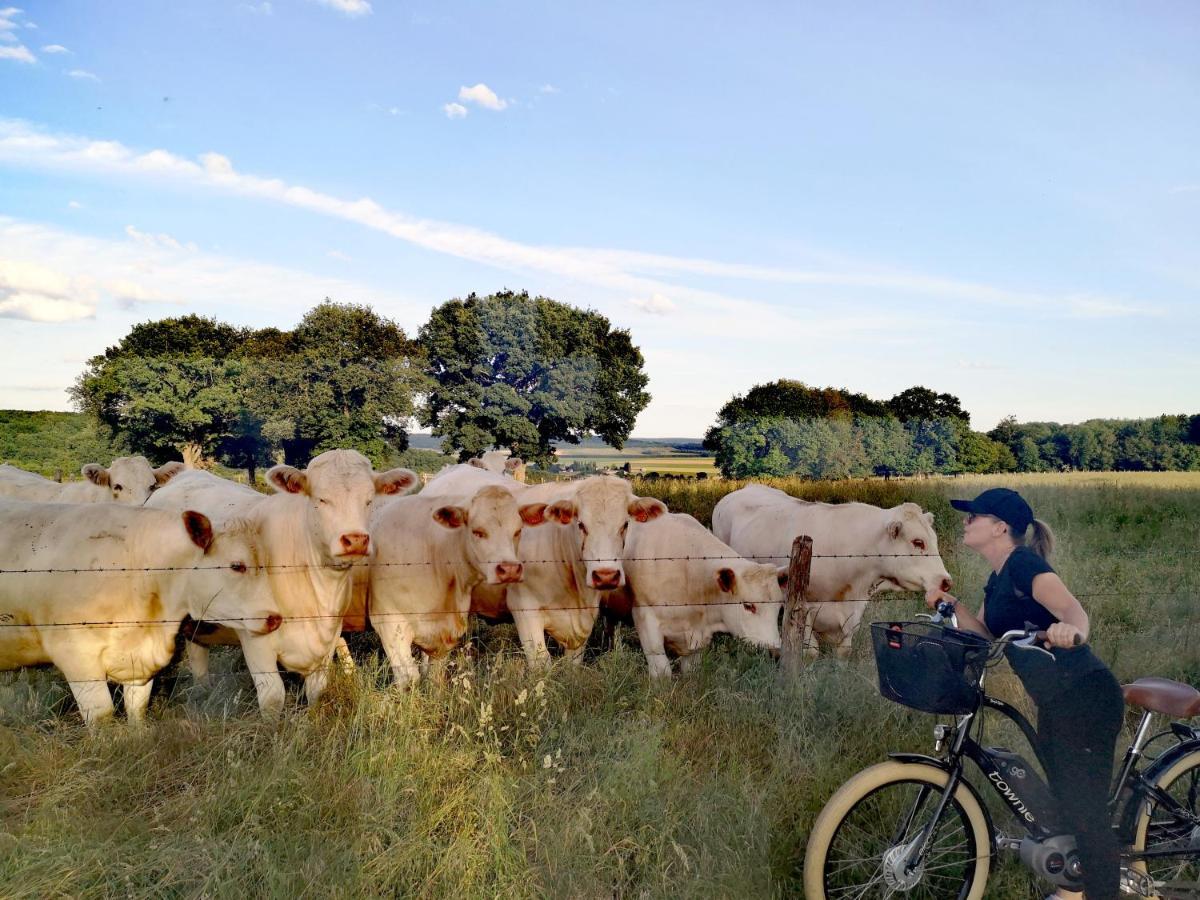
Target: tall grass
[(582, 781)]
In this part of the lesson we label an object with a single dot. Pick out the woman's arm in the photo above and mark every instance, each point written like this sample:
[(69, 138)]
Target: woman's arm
[(1049, 590), (967, 620)]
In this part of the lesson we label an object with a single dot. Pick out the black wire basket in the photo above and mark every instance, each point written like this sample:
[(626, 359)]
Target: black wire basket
[(929, 667)]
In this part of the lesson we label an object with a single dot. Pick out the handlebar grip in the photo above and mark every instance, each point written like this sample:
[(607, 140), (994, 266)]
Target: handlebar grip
[(1041, 636)]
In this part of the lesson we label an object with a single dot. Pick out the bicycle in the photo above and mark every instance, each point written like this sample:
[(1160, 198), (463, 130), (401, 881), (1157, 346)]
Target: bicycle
[(914, 826)]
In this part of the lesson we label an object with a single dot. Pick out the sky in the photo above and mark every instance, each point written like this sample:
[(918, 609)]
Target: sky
[(1001, 201)]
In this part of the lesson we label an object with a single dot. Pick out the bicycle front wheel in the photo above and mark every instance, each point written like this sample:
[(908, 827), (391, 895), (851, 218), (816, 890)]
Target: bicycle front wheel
[(861, 841), (1169, 824)]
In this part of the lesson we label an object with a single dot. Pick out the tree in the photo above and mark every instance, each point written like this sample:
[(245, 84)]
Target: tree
[(918, 403), (520, 372)]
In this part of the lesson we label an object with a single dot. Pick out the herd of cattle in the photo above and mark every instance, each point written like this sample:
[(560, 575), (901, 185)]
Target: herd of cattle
[(99, 577)]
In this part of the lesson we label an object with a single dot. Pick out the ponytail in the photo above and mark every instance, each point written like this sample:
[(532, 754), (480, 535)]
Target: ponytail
[(1041, 541)]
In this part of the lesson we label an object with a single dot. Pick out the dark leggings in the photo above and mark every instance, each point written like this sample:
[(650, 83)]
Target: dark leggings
[(1077, 734)]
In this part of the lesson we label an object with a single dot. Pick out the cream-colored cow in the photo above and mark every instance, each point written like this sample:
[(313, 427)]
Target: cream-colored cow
[(859, 550), (161, 566), (130, 479), (311, 531)]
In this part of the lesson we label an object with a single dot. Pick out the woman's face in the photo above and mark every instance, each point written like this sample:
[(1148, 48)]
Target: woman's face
[(979, 530)]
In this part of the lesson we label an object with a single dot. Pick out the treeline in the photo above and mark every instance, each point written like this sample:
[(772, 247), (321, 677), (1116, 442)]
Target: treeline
[(503, 370), (788, 428), (54, 444)]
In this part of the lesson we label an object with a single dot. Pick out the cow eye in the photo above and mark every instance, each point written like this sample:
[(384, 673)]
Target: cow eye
[(750, 607), (919, 544), (480, 533), (323, 502), (118, 487), (582, 528), (152, 488), (239, 567)]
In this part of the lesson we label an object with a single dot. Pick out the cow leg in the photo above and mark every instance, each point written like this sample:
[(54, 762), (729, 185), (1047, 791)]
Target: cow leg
[(263, 663), (90, 688), (341, 652), (197, 655), (316, 681), (689, 663), (575, 654), (651, 638), (396, 637), (137, 700), (850, 621), (437, 668), (531, 628), (808, 637)]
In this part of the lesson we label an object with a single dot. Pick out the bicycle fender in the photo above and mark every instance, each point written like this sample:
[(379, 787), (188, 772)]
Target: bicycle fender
[(1164, 761), (925, 760)]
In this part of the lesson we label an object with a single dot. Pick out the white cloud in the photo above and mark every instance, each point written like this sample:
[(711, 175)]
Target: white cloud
[(257, 9), (147, 239), (19, 53), (339, 255), (43, 308), (42, 294), (55, 48), (351, 8), (74, 204), (83, 75), (481, 95), (549, 89), (655, 304), (455, 111), (9, 23)]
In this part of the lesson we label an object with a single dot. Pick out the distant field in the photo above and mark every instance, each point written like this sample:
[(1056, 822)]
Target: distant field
[(642, 458)]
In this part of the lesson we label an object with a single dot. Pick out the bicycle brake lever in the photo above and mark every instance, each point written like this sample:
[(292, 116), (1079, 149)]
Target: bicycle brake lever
[(1030, 643)]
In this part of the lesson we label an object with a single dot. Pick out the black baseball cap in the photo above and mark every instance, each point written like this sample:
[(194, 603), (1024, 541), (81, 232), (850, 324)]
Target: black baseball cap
[(1007, 506)]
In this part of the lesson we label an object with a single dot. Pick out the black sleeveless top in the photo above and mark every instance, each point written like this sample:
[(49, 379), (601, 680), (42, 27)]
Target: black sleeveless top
[(1009, 604)]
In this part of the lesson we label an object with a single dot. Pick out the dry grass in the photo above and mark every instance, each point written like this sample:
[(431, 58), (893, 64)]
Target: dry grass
[(584, 782)]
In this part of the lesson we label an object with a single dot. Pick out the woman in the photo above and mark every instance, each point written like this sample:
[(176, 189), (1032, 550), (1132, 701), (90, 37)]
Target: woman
[(1080, 706)]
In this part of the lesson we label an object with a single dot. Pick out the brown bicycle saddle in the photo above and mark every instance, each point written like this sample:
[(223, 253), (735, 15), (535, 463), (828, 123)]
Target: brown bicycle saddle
[(1161, 695)]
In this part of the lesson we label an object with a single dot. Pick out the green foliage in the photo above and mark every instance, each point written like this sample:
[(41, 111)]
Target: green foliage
[(53, 443), (919, 403), (521, 372), (192, 386), (1162, 444)]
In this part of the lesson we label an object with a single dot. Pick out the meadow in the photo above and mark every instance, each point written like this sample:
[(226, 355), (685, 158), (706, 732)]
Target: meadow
[(580, 782)]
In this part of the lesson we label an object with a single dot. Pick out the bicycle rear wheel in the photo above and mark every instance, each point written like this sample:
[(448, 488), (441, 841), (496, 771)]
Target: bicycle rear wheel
[(860, 840), (1172, 825)]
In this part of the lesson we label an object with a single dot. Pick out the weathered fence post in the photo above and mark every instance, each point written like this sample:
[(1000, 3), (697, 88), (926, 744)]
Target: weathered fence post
[(794, 610)]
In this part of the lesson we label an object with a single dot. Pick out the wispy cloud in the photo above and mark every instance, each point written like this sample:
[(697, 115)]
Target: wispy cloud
[(146, 239), (19, 53), (455, 111), (339, 255), (351, 8), (55, 48), (257, 9), (549, 89), (74, 204), (656, 304), (83, 75), (482, 95), (1185, 189)]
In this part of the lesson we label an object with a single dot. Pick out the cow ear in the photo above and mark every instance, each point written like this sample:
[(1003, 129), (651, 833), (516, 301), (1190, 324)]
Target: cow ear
[(199, 529), (781, 575), (511, 463), (646, 508), (167, 471), (96, 474), (395, 481), (477, 463), (929, 517), (287, 480), (533, 513), (894, 528), (726, 580), (450, 516), (563, 512)]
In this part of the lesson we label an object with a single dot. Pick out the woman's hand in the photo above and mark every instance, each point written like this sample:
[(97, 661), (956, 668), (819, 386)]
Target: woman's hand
[(1063, 634), (936, 595)]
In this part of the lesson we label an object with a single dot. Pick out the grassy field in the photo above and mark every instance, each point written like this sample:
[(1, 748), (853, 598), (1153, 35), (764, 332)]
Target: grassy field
[(642, 456), (584, 782)]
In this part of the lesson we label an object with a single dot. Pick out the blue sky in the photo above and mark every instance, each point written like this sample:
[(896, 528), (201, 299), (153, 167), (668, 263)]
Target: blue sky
[(1001, 201)]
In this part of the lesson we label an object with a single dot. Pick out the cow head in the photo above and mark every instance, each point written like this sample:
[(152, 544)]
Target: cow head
[(599, 512), (229, 584), (340, 488), (751, 601), (492, 524), (130, 479), (910, 560)]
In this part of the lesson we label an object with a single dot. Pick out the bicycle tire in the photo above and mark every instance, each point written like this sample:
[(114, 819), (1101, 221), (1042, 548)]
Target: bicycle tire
[(863, 797), (1181, 779)]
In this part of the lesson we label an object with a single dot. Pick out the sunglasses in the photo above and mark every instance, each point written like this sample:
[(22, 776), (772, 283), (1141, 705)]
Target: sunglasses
[(971, 517)]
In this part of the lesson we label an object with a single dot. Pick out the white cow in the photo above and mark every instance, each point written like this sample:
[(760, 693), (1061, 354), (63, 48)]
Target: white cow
[(684, 586), (430, 552), (883, 550), (130, 479), (311, 531), (502, 462), (568, 568), (168, 565)]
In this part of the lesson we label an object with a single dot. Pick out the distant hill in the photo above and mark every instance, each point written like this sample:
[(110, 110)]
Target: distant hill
[(52, 443)]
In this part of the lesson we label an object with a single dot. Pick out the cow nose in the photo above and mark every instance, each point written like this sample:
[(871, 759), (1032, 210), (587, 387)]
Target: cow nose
[(947, 583), (355, 543), (509, 572), (606, 579)]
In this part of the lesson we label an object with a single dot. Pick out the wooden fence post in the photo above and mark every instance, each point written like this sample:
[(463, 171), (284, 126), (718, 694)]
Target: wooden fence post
[(794, 609)]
